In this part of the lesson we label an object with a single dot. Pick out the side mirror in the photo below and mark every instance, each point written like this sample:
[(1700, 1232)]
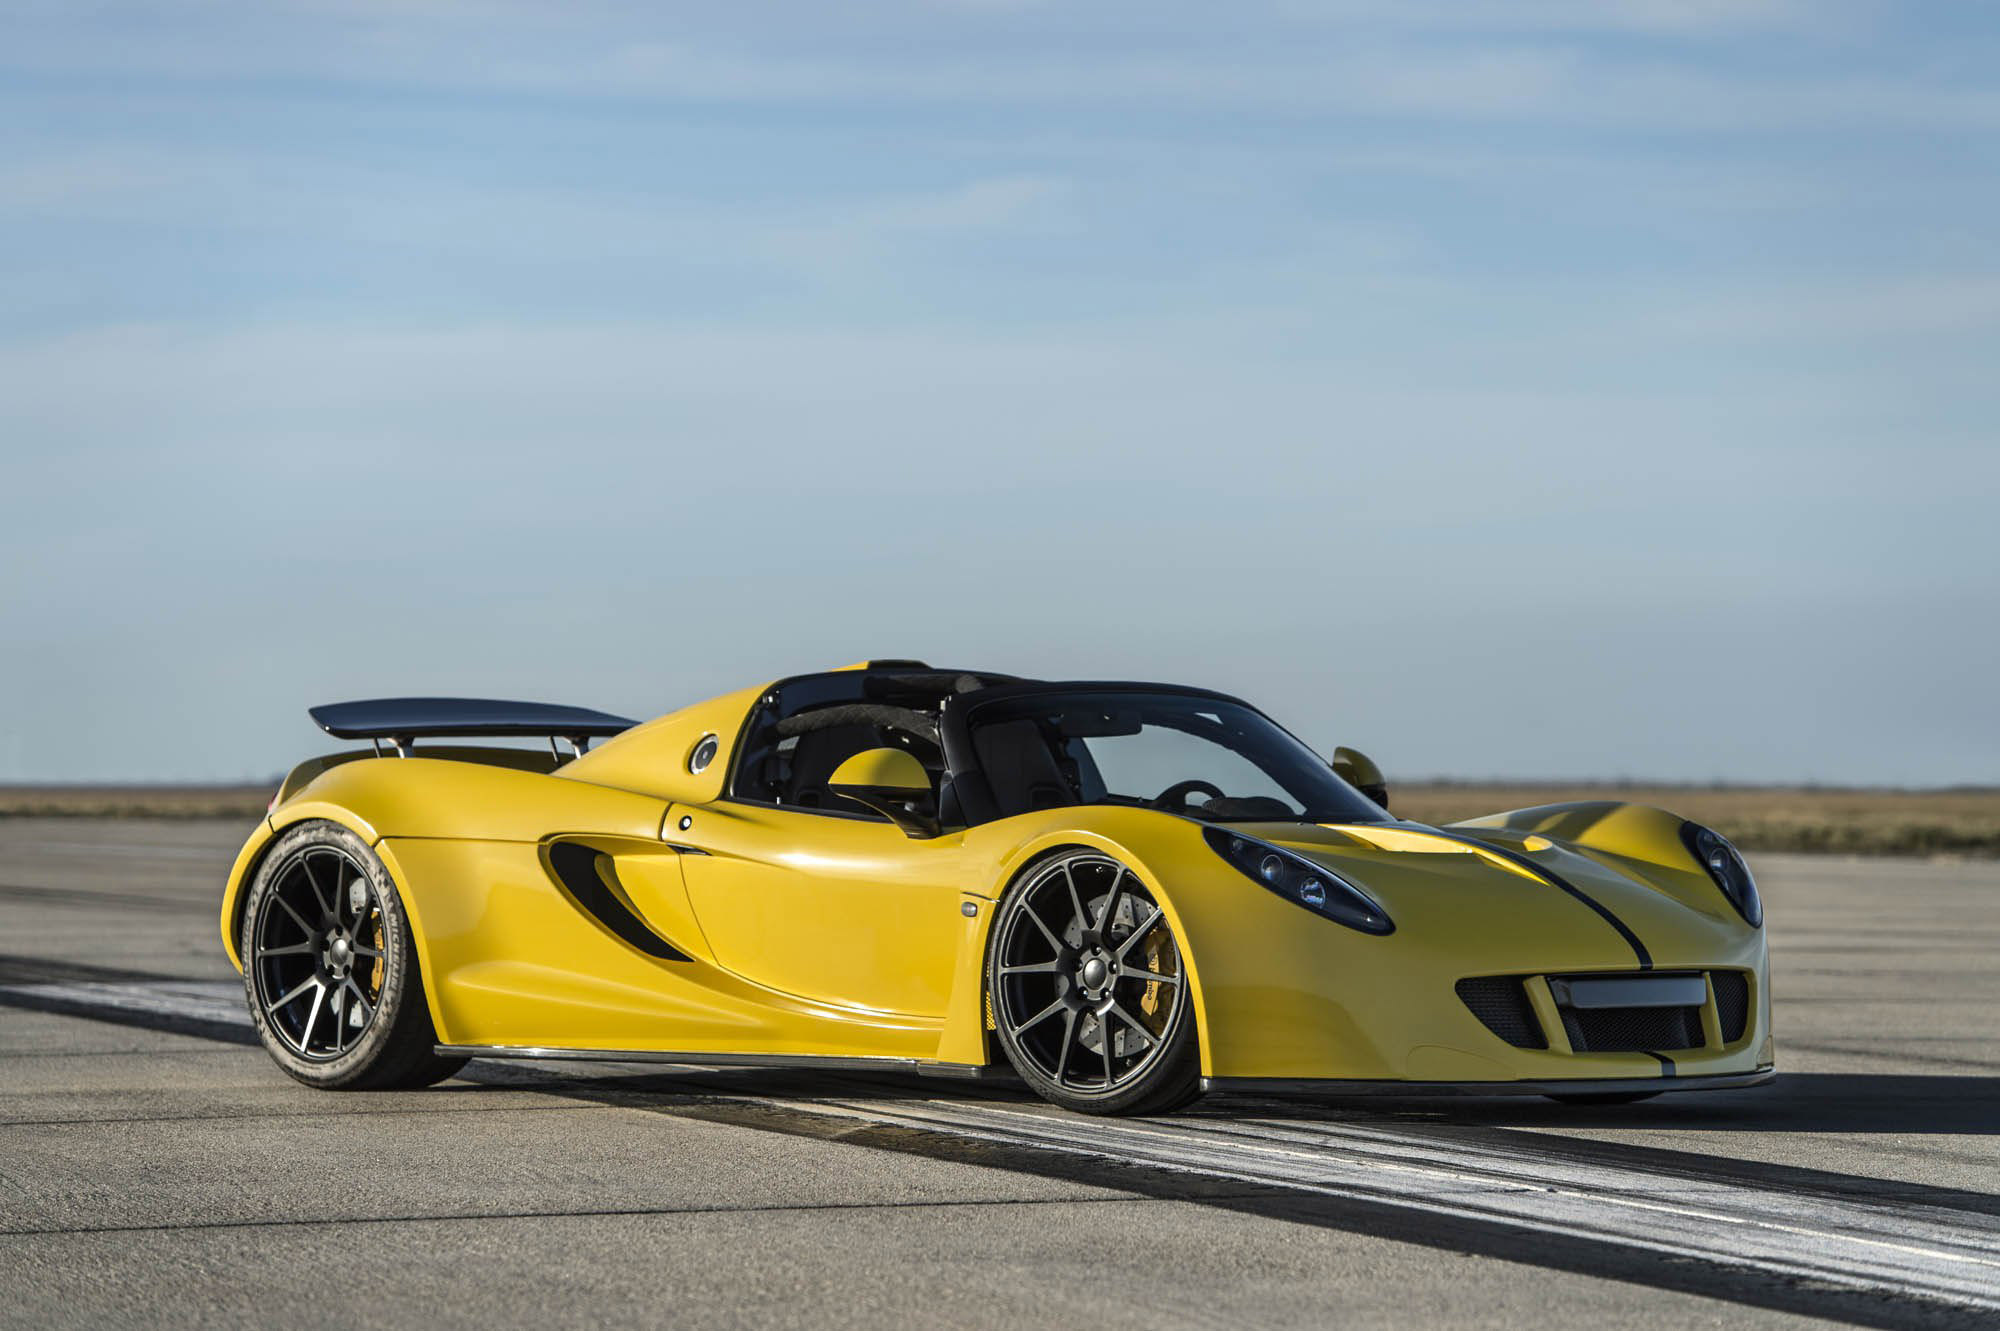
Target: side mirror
[(892, 783), (1357, 769)]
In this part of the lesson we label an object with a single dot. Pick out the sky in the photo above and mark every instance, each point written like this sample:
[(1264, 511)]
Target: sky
[(1557, 388)]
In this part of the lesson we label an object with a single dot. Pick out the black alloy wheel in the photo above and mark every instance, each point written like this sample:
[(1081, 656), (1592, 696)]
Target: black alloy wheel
[(329, 968), (1089, 995), (319, 967)]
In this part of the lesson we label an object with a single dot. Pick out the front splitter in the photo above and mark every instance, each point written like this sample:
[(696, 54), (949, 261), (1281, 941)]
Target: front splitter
[(1330, 1088)]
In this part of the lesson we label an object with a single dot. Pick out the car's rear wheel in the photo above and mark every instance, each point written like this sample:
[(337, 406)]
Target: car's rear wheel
[(1088, 990), (330, 969)]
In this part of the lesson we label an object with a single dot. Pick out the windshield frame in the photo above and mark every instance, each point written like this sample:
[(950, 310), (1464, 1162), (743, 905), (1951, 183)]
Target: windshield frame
[(976, 797)]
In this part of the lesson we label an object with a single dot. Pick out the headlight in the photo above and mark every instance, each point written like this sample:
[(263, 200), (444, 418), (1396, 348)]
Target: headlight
[(1725, 865), (1300, 881)]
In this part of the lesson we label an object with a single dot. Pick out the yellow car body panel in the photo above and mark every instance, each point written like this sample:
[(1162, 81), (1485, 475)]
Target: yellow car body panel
[(781, 933), (656, 758), (834, 909)]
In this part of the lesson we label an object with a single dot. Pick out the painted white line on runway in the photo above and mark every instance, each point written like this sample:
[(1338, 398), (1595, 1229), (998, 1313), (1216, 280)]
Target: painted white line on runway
[(1914, 1251), (192, 1000), (1897, 1249)]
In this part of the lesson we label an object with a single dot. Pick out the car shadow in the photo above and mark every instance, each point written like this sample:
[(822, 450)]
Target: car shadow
[(1890, 1103), (1898, 1103)]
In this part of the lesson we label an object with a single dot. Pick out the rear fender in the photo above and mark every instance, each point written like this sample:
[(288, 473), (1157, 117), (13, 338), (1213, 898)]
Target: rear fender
[(468, 801), (525, 760), (251, 858), (379, 799)]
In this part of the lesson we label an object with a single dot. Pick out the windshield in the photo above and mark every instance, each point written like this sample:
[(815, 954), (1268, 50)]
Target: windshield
[(1204, 757)]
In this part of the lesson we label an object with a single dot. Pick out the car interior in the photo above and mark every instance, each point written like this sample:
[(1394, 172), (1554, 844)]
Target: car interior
[(804, 729), (1023, 769)]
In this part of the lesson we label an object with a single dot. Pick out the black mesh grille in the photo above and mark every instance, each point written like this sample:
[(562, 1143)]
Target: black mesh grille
[(1609, 1030), (1502, 1004), (1732, 1003)]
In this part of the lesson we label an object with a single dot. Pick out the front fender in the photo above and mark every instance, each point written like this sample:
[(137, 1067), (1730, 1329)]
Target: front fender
[(1281, 992), (1155, 847), (1637, 842)]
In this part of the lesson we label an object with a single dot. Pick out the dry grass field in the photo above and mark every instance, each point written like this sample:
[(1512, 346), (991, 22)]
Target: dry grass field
[(1854, 822), (154, 801)]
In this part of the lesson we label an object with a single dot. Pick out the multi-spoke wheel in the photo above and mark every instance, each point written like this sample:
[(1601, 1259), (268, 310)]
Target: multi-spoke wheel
[(1089, 995), (319, 952), (329, 970)]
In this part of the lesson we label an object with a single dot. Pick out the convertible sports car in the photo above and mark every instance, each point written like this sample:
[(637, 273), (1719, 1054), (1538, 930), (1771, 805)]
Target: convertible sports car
[(1130, 893)]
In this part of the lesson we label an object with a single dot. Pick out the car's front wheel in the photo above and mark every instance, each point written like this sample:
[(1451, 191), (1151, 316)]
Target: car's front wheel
[(1088, 989), (330, 969)]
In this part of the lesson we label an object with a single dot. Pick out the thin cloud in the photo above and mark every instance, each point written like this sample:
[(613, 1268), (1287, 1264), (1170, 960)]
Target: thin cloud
[(1537, 64)]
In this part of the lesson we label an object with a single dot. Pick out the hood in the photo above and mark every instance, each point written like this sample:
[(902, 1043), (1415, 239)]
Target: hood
[(1533, 888)]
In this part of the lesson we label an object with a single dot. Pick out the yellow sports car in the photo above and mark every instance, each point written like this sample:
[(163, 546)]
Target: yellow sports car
[(1129, 893)]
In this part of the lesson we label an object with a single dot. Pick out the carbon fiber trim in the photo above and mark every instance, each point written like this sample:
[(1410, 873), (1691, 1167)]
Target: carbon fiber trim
[(1329, 1088)]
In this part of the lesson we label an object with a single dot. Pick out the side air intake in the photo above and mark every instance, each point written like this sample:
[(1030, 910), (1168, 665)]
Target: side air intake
[(575, 866)]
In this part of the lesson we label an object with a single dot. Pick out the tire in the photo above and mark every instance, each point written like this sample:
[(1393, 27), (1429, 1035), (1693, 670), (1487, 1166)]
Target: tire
[(1088, 990), (330, 968), (1605, 1098)]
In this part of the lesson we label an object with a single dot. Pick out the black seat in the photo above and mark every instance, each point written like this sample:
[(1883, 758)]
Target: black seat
[(1021, 768), (818, 755)]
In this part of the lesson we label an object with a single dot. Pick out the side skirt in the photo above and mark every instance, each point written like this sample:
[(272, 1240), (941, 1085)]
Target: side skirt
[(848, 1063), (1327, 1088)]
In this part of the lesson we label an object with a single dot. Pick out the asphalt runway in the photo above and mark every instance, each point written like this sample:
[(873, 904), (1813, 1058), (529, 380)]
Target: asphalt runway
[(157, 1170)]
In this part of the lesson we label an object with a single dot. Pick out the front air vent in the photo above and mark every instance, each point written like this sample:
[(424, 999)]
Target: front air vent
[(1614, 1030), (1732, 1003), (1501, 1003), (1632, 1012)]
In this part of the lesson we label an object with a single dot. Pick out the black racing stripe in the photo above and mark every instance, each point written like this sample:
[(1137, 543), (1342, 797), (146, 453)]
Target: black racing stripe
[(1666, 1064), (1554, 879)]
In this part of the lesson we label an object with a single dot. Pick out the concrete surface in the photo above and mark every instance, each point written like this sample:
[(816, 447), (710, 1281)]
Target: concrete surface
[(149, 1178)]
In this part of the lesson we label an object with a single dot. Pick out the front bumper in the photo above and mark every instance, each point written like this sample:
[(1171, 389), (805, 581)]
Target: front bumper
[(1291, 999)]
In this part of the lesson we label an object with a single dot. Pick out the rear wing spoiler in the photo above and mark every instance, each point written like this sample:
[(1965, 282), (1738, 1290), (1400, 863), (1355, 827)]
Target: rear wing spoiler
[(402, 721)]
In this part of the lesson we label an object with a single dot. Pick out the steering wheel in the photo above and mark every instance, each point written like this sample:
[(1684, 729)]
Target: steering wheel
[(1175, 796)]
